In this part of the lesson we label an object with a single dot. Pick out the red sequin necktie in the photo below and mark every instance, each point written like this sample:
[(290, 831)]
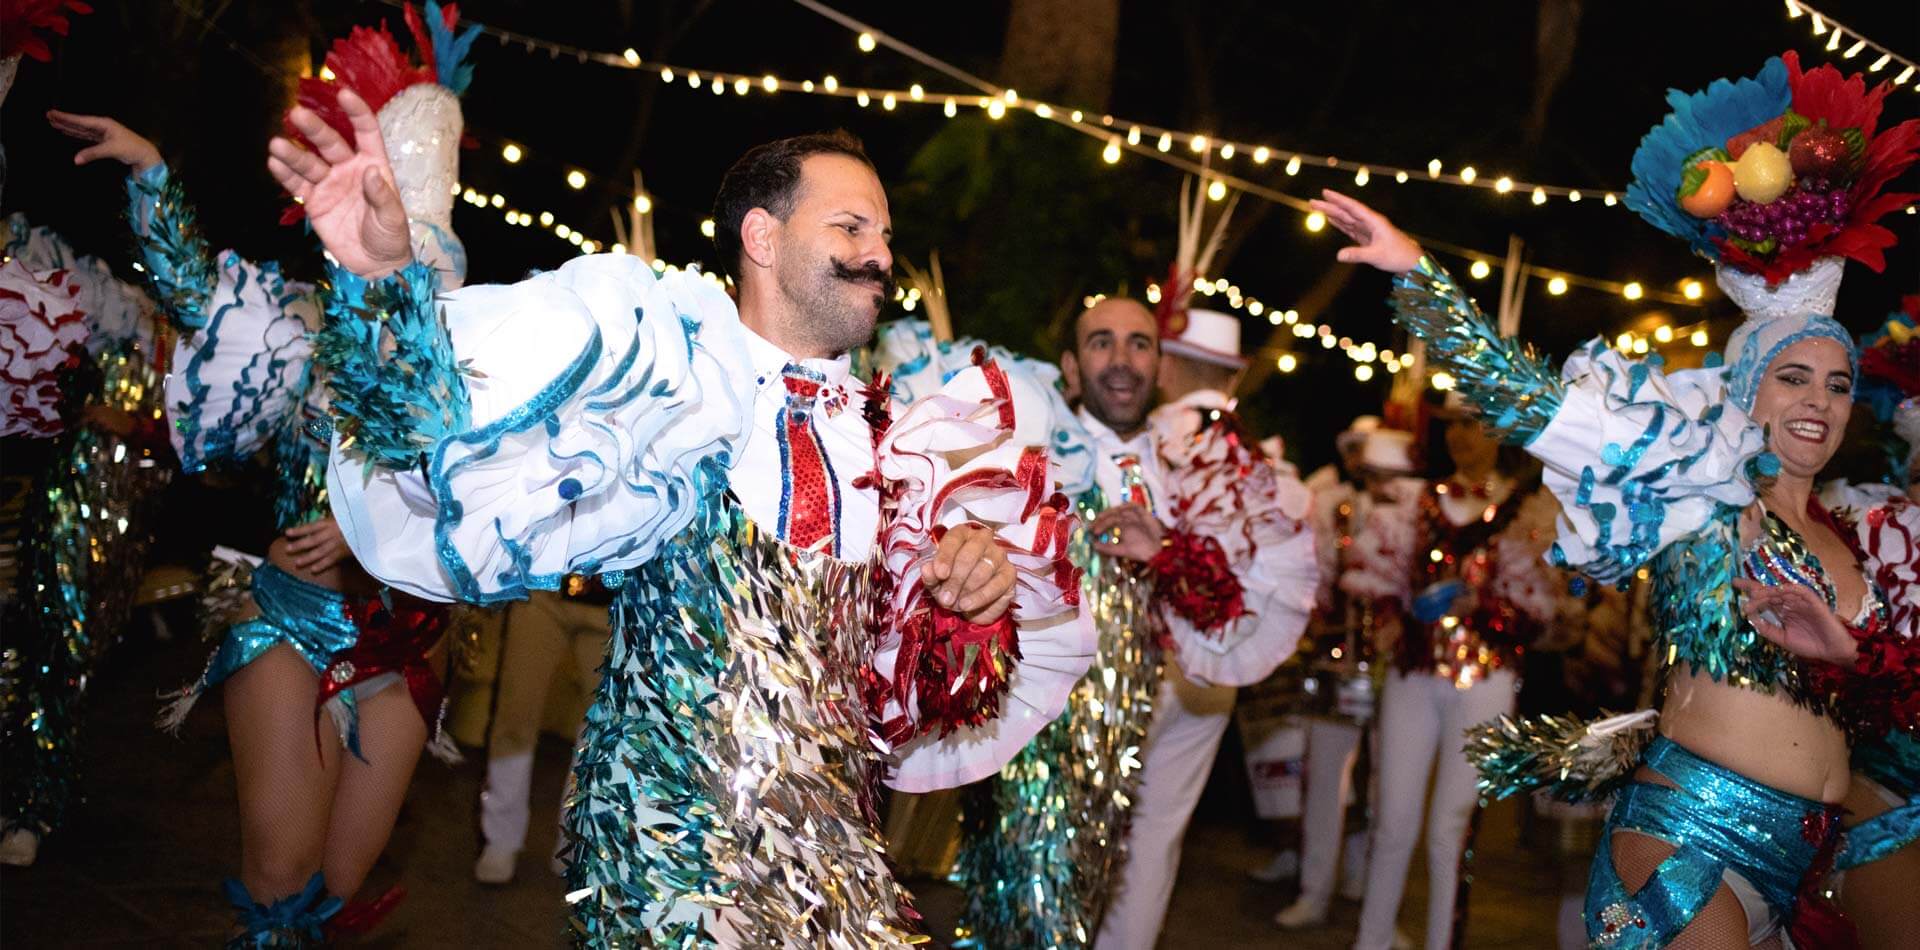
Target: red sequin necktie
[(809, 498)]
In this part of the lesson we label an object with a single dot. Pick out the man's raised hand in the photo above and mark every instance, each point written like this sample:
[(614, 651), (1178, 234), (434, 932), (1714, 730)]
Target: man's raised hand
[(347, 188)]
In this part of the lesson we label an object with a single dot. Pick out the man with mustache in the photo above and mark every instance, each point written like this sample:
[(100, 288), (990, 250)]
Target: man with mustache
[(803, 607)]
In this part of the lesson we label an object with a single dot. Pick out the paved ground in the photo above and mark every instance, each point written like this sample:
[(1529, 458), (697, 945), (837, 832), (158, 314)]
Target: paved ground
[(142, 862)]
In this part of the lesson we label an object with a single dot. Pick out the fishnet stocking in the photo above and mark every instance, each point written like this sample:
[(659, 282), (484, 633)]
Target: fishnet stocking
[(1720, 925), (1879, 897)]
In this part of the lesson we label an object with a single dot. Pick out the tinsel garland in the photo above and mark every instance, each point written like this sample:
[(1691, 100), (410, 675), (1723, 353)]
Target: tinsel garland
[(723, 783), (1573, 760), (1516, 391), (398, 389), (1193, 578), (1041, 842), (88, 521), (962, 673), (180, 268)]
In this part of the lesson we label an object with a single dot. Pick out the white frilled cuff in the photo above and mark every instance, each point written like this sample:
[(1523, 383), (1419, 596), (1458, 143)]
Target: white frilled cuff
[(237, 382), (1639, 458), (597, 391), (970, 454)]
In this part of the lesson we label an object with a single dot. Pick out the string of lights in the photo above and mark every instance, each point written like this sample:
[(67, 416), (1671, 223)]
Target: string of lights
[(1850, 43)]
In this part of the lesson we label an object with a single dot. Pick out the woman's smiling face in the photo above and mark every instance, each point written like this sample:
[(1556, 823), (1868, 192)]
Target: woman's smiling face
[(1803, 402)]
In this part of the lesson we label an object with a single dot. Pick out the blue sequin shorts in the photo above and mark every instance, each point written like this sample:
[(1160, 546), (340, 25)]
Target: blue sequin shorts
[(1894, 764), (307, 617), (1720, 822)]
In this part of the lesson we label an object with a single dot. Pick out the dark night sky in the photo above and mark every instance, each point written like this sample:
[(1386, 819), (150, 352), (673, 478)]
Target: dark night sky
[(1365, 79)]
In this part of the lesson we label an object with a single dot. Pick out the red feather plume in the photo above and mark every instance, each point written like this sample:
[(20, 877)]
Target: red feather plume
[(21, 22)]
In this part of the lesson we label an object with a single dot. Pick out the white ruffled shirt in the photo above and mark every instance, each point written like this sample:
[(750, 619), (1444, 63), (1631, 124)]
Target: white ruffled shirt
[(1109, 448), (755, 474)]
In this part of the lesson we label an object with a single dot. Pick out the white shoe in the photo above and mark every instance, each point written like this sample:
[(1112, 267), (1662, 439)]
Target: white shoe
[(496, 865), (1300, 915), (1284, 865), (19, 848)]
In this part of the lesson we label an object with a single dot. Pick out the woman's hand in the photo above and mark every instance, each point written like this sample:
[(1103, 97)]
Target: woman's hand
[(1375, 240), (317, 546), (110, 140), (347, 188), (1798, 620), (1128, 531)]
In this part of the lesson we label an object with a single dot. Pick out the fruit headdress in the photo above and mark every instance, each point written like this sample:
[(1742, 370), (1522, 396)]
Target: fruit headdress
[(1768, 174)]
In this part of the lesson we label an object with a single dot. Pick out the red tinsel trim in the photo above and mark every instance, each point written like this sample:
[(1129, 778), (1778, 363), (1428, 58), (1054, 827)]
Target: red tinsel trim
[(1816, 921), (1192, 576), (1897, 363), (960, 670), (21, 22), (1171, 312)]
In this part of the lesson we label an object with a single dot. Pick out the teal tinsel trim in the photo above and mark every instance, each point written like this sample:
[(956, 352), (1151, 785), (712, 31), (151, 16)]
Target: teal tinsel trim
[(166, 231), (300, 459), (292, 921), (1516, 391), (1554, 753), (397, 388), (1042, 842)]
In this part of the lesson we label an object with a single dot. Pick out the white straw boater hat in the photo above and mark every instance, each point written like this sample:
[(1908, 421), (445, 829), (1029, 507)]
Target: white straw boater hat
[(1209, 337)]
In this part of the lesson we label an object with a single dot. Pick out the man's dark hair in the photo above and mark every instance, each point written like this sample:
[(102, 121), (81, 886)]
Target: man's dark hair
[(767, 177)]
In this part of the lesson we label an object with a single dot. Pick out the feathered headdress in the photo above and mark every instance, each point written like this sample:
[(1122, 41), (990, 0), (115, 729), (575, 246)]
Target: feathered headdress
[(419, 111), (1778, 179), (1768, 174), (1191, 258)]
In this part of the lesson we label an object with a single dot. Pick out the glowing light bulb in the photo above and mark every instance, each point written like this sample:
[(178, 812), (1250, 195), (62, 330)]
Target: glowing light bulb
[(498, 201), (1692, 290), (1043, 110), (1198, 143), (996, 109), (1557, 286), (1260, 155), (866, 42), (1316, 221), (1165, 143), (916, 92), (1112, 152), (511, 153), (1574, 196), (1633, 290), (1293, 165), (618, 248), (1663, 334), (1442, 381), (1400, 178), (1480, 270), (1467, 174), (1433, 168), (1610, 200), (769, 83), (1539, 195), (576, 179), (1362, 176), (666, 75), (1623, 342), (1503, 184), (706, 227), (326, 73), (1216, 191), (1363, 372), (861, 99), (830, 84), (1286, 363), (562, 231), (887, 102), (632, 56), (546, 219), (951, 108), (1699, 338), (1226, 151), (643, 204)]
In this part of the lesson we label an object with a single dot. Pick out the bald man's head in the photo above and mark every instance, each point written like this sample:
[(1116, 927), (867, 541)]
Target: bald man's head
[(1114, 359)]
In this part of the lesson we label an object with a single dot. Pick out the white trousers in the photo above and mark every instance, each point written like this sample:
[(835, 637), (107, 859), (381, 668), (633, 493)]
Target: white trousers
[(1422, 718), (1188, 721), (1333, 747), (541, 633)]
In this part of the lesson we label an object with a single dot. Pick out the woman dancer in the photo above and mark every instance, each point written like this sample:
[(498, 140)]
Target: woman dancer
[(1723, 835), (316, 630)]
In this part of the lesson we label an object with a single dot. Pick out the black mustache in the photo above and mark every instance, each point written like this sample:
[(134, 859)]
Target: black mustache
[(869, 273)]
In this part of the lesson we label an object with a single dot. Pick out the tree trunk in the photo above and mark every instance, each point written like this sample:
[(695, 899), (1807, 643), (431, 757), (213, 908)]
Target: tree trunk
[(1062, 50)]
